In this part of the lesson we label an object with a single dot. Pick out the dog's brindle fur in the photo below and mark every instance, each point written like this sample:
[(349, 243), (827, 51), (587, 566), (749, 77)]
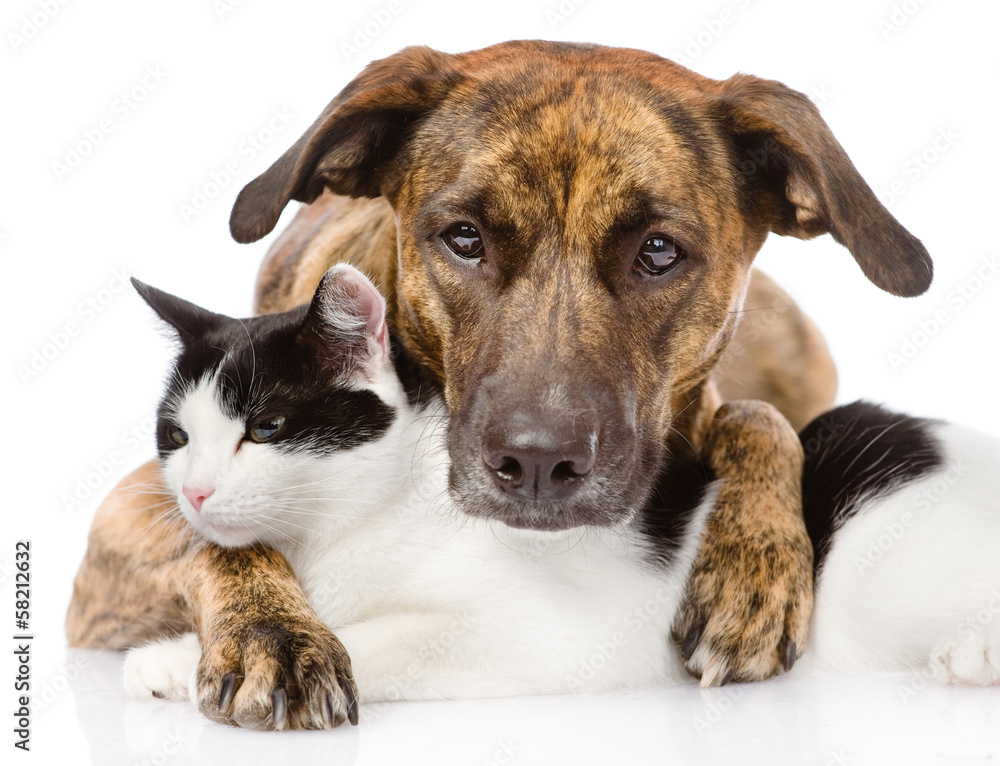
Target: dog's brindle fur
[(566, 158)]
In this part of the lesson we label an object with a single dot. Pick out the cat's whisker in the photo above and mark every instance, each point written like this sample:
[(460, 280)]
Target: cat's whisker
[(253, 360), (165, 523), (337, 484), (367, 512), (147, 506), (342, 494), (281, 533), (263, 518), (166, 514), (291, 506)]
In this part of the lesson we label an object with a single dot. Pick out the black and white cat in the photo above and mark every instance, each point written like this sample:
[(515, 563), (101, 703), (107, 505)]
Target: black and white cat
[(295, 430)]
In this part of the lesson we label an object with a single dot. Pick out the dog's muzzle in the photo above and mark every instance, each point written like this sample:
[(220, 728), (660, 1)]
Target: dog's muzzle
[(540, 452), (538, 456)]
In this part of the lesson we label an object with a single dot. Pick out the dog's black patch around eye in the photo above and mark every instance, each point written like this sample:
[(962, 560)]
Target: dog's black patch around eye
[(854, 453)]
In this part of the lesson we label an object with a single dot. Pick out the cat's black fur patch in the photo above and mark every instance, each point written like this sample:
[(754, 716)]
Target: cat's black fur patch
[(267, 369), (677, 494), (855, 452)]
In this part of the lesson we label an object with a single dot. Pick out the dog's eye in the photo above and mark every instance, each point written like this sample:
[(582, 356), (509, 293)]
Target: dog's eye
[(463, 240), (657, 255), (265, 430), (178, 435)]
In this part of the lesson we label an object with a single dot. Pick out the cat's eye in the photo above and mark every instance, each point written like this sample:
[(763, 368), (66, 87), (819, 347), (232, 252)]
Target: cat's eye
[(178, 435), (266, 430)]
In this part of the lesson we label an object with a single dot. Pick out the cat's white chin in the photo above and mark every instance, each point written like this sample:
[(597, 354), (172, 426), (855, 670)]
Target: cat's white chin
[(223, 534)]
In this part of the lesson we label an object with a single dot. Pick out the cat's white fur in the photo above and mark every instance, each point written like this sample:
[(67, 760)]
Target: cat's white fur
[(912, 580), (433, 604), (163, 669)]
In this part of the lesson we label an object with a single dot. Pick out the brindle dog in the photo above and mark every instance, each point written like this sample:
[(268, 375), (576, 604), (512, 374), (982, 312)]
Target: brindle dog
[(565, 236)]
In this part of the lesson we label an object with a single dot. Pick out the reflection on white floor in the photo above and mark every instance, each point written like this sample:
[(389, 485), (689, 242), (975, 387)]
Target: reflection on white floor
[(83, 716)]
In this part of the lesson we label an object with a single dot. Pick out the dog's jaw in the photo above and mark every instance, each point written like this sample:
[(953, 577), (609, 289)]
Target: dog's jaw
[(478, 497)]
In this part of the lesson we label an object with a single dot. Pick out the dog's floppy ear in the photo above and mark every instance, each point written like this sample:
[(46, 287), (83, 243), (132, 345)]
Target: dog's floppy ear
[(804, 184), (347, 146)]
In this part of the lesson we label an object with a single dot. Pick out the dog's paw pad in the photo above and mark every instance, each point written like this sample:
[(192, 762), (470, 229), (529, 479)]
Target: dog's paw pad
[(969, 661), (163, 669)]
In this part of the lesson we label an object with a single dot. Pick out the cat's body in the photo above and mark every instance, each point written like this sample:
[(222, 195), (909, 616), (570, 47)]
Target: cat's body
[(349, 482), (904, 514)]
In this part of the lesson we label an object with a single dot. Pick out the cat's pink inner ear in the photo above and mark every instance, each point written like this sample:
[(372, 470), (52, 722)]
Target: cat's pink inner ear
[(371, 302), (367, 304)]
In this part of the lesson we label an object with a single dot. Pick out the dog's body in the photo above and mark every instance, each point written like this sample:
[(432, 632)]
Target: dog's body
[(566, 251)]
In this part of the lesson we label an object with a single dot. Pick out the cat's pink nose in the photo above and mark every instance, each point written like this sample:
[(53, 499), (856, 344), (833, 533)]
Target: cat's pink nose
[(197, 495)]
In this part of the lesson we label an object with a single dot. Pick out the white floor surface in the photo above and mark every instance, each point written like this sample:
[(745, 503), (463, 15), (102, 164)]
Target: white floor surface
[(90, 719)]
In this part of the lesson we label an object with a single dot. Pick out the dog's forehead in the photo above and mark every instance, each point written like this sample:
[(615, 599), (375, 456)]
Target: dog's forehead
[(517, 59), (515, 85), (569, 110), (579, 138)]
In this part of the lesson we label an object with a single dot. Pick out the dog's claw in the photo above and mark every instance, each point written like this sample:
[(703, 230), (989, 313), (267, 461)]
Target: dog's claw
[(727, 678), (788, 654), (279, 709), (227, 691), (352, 703), (328, 719), (691, 641), (714, 671)]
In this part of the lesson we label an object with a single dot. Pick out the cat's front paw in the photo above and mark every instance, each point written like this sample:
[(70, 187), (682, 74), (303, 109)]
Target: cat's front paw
[(277, 676), (163, 669), (973, 660)]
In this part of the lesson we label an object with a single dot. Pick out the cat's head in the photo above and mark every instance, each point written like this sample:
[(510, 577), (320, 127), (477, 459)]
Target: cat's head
[(266, 417)]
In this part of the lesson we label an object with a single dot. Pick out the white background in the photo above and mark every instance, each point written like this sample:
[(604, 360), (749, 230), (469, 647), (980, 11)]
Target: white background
[(890, 78)]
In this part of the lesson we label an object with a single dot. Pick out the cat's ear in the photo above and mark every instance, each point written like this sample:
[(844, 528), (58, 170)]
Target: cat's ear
[(347, 316), (190, 321)]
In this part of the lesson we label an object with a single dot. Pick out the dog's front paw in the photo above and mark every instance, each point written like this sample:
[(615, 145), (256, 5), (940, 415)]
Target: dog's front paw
[(746, 612), (268, 675), (750, 593)]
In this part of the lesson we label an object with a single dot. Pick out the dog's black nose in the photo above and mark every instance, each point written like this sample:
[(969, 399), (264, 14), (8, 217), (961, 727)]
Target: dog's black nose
[(537, 458)]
